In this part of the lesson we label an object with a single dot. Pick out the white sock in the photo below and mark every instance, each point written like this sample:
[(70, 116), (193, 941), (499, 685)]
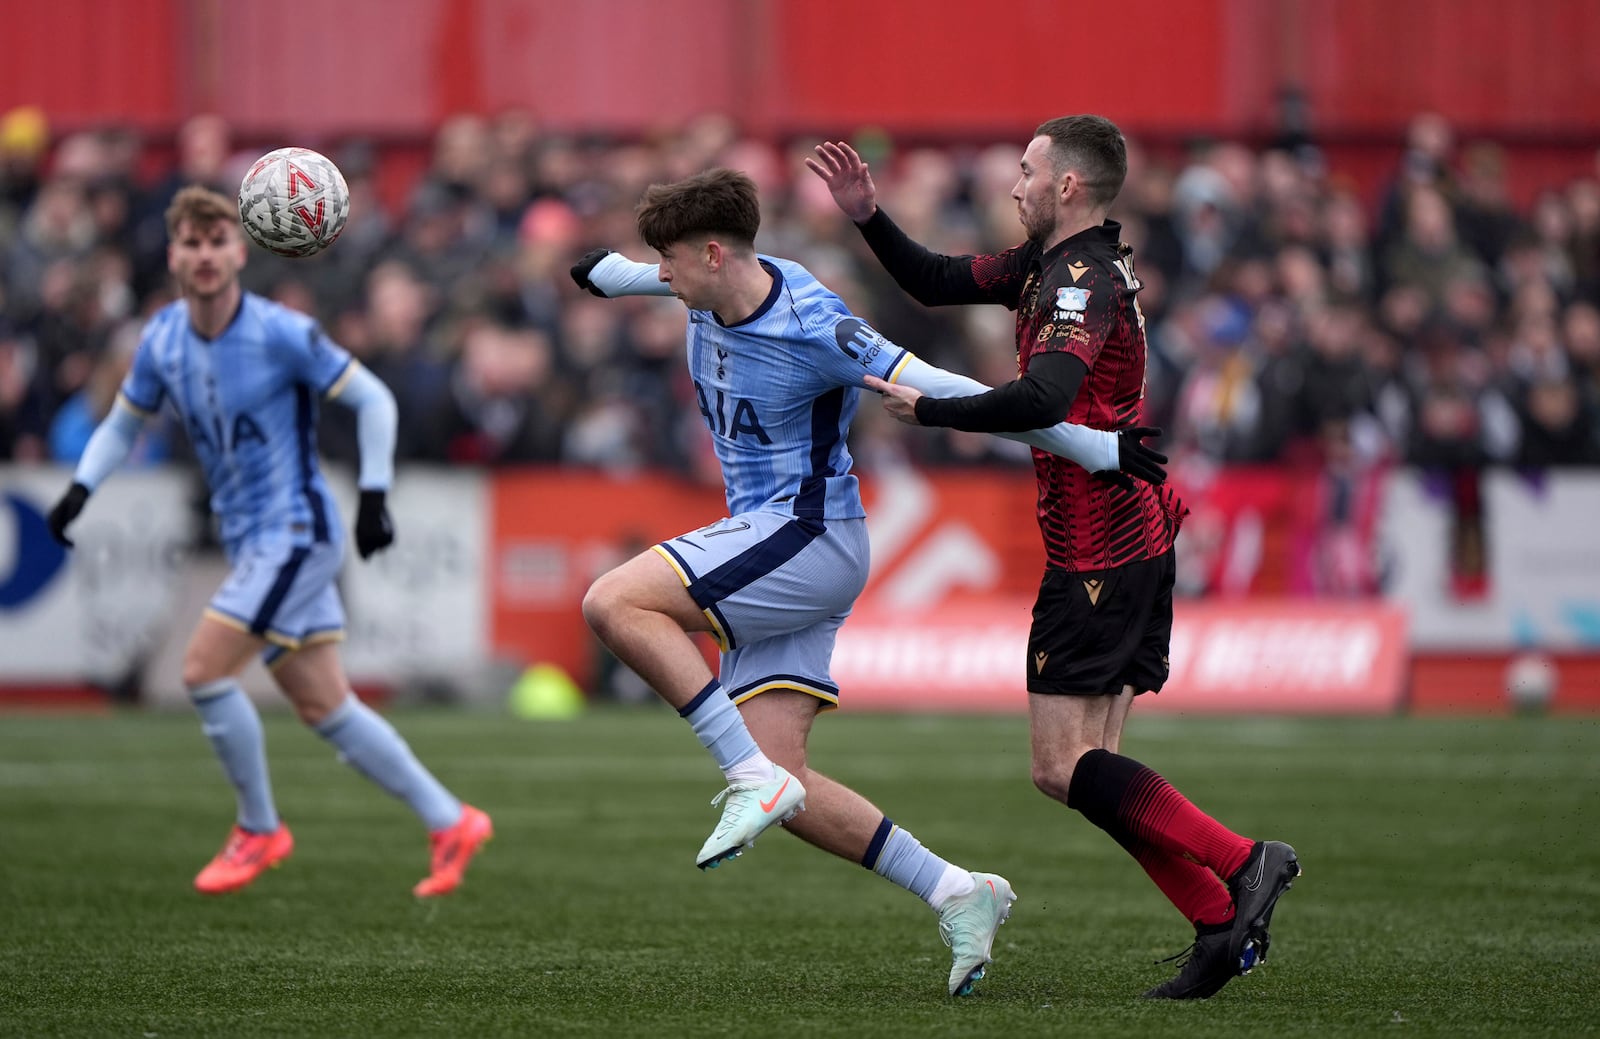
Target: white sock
[(757, 768), (955, 883)]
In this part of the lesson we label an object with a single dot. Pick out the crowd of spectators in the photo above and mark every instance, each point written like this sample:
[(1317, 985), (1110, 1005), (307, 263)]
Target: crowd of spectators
[(1290, 319)]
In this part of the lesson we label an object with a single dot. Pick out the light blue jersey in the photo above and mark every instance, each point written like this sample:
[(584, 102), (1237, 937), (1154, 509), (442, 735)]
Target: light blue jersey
[(248, 399), (778, 392), (778, 577)]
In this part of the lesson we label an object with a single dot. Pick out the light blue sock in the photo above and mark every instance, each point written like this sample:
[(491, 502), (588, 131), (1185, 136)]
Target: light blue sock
[(373, 748), (231, 723), (897, 856), (720, 727)]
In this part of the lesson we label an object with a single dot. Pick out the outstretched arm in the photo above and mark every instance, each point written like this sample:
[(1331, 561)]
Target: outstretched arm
[(377, 423), (1021, 410), (108, 446), (608, 275), (928, 396)]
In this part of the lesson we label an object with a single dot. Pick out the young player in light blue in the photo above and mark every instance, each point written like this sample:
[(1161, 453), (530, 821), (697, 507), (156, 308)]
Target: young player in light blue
[(777, 361), (244, 375)]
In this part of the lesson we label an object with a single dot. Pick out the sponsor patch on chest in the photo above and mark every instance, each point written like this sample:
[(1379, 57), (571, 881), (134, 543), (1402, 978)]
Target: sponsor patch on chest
[(1071, 302)]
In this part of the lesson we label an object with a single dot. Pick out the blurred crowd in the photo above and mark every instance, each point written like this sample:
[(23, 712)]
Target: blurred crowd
[(1290, 318)]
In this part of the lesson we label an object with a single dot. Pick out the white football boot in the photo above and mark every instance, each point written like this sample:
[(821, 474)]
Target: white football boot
[(968, 923), (748, 809)]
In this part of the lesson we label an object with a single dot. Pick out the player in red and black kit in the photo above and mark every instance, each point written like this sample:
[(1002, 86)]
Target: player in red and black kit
[(1102, 624)]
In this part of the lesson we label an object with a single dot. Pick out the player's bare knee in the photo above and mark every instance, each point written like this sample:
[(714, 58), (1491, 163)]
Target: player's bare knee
[(1053, 778), (780, 743), (199, 671), (1053, 775), (311, 714), (791, 758), (314, 697), (601, 606)]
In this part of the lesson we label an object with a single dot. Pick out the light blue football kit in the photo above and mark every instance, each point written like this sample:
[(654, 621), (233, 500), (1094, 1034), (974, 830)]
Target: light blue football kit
[(779, 575), (248, 399), (778, 392)]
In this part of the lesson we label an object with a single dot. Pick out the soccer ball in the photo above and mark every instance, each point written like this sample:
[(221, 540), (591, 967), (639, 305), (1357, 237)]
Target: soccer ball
[(293, 202), (1531, 681)]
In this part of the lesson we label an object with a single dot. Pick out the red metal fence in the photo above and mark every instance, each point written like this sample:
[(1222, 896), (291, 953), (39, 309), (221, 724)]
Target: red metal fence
[(934, 66)]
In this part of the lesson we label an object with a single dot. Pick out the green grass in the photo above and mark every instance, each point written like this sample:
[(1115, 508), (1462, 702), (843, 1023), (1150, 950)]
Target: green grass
[(1452, 886)]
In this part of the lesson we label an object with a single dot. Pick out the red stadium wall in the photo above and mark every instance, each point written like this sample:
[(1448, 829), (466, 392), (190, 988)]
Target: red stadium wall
[(940, 67), (127, 65), (1522, 69), (312, 73)]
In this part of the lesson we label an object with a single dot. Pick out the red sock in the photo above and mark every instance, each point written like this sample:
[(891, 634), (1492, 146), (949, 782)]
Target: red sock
[(1195, 890), (1128, 800)]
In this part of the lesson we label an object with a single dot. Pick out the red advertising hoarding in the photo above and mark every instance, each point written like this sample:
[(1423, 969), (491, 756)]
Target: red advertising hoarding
[(1269, 656), (956, 558)]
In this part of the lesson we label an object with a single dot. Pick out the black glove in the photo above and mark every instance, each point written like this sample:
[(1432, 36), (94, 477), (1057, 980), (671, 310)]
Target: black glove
[(1135, 461), (374, 529), (581, 269), (66, 510)]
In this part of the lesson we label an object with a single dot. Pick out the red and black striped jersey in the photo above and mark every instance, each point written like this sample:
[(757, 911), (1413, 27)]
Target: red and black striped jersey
[(1079, 297)]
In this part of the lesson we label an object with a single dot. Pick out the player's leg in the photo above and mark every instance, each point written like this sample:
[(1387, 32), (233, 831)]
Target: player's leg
[(314, 681), (1186, 852), (1195, 890), (216, 654), (1226, 943), (643, 613), (304, 625), (1066, 730), (1269, 868), (839, 820), (1129, 801), (1116, 719), (781, 683), (1087, 627), (218, 651), (1093, 635), (717, 579)]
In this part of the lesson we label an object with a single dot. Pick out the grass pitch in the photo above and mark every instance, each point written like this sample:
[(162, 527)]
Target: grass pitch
[(1452, 886)]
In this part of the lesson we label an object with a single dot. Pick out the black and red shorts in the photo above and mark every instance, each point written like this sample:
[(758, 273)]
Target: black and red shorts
[(1095, 631)]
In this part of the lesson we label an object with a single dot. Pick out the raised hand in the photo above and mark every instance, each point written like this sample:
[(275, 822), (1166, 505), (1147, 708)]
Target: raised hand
[(848, 179)]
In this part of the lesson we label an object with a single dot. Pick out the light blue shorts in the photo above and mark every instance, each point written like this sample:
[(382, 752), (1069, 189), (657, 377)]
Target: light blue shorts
[(775, 589), (283, 593)]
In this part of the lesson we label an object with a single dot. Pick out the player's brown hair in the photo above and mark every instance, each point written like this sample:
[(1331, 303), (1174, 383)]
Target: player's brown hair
[(1092, 147), (718, 202), (201, 207)]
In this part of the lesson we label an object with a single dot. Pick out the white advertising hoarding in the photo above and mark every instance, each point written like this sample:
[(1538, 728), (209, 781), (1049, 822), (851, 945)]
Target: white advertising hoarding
[(121, 600), (1541, 544), (89, 614), (419, 608)]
